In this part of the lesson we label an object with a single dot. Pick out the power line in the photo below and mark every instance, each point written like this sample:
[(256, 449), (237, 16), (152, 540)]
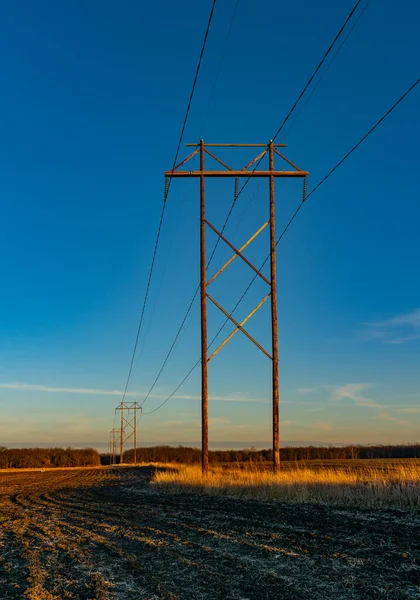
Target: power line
[(193, 86), (175, 390), (410, 89), (311, 78), (308, 83), (166, 196), (311, 94), (318, 82), (170, 349), (235, 10), (324, 179), (186, 377), (164, 269), (339, 33), (191, 304), (327, 67), (321, 182), (178, 333)]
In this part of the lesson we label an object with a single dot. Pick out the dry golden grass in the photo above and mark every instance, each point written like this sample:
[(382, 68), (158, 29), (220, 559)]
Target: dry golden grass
[(394, 485)]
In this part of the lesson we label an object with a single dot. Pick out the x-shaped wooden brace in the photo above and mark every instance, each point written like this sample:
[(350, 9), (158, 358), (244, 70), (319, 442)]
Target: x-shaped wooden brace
[(239, 326)]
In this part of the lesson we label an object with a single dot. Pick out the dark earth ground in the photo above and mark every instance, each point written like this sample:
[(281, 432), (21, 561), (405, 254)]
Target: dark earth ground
[(106, 533)]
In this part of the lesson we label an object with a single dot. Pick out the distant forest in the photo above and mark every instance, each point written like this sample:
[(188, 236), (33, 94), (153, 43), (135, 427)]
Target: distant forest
[(187, 455), (45, 458)]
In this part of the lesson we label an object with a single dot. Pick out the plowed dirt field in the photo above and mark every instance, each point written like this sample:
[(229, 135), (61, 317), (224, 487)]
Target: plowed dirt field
[(107, 533)]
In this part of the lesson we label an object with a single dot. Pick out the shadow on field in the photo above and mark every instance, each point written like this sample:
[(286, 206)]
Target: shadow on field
[(110, 534)]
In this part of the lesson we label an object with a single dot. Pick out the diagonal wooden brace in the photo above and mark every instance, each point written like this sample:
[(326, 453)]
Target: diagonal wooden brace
[(287, 160), (183, 161), (254, 160), (238, 326), (218, 160), (230, 336), (236, 251), (251, 239)]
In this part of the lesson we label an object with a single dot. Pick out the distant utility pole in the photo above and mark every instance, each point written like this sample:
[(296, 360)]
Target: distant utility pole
[(271, 149), (128, 426), (114, 436)]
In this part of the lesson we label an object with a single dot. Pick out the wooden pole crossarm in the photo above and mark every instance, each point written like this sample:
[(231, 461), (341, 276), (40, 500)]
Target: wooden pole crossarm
[(263, 153), (238, 252), (236, 173), (218, 159), (251, 239), (236, 145), (230, 336), (185, 160), (287, 160)]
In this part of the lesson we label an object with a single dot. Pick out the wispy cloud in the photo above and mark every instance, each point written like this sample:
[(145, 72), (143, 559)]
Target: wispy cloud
[(396, 330), (307, 390), (194, 422), (30, 387), (412, 319), (385, 416), (352, 391), (403, 340), (321, 425), (410, 410)]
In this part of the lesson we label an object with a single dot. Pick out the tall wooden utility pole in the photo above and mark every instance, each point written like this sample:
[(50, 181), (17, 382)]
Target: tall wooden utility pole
[(204, 361), (274, 319), (272, 149), (128, 426)]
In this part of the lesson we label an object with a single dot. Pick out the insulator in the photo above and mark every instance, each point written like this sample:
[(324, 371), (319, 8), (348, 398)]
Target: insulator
[(235, 193), (165, 193), (304, 190)]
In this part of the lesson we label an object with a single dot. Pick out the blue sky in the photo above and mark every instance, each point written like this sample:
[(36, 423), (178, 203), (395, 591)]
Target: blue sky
[(92, 100)]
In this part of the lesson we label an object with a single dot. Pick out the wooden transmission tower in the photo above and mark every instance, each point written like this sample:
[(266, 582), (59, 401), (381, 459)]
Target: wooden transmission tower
[(202, 150), (128, 426), (114, 436)]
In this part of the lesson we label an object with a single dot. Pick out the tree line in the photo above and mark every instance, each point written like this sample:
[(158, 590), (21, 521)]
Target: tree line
[(32, 458), (45, 458), (187, 455)]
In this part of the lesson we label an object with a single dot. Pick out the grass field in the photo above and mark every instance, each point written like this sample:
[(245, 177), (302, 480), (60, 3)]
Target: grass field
[(111, 533), (366, 484)]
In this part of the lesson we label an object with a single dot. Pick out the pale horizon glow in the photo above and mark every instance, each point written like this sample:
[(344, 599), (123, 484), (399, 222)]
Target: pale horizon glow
[(317, 417)]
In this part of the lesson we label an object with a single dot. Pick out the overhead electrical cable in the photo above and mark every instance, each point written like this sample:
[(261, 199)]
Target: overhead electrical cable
[(193, 87), (311, 78), (318, 185), (323, 180), (219, 68), (327, 68), (336, 38), (210, 18), (311, 94), (389, 111), (308, 83), (214, 250)]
